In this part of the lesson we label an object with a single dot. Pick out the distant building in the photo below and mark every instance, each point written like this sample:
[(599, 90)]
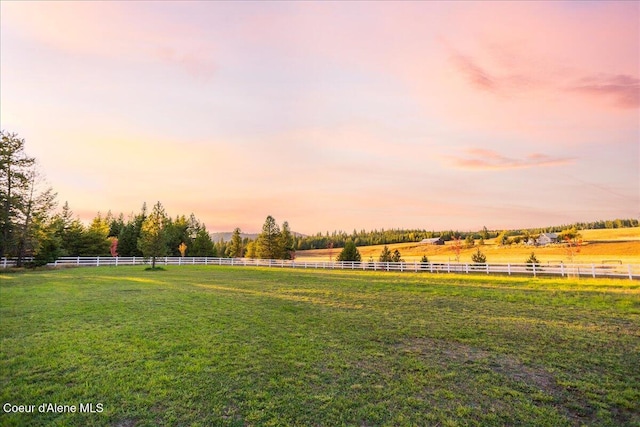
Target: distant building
[(545, 239), (433, 241)]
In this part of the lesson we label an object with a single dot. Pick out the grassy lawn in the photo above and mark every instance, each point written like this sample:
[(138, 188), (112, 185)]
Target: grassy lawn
[(202, 346)]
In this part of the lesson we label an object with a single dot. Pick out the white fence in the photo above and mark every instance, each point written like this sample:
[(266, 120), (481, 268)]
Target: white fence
[(630, 271)]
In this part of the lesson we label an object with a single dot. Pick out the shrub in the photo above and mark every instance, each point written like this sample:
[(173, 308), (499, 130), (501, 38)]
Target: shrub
[(478, 257)]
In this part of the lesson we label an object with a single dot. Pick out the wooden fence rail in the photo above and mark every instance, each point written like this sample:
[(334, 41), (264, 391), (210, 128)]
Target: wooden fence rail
[(630, 271)]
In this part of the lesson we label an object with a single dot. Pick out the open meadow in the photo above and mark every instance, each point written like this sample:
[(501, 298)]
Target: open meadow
[(619, 245), (233, 346)]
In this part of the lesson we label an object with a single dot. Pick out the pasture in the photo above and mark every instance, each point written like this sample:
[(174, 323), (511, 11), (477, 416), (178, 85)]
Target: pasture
[(599, 246), (233, 346)]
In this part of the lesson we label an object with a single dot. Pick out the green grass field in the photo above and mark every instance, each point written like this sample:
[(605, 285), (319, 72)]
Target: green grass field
[(207, 346)]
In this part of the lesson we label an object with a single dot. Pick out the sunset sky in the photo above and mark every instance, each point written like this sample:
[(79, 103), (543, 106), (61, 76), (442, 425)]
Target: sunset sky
[(331, 115)]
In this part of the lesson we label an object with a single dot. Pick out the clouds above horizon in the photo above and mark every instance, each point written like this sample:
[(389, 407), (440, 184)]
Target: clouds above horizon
[(483, 159), (333, 115)]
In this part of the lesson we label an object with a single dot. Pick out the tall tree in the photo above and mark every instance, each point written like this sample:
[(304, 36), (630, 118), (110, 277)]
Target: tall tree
[(95, 241), (385, 255), (287, 244), (153, 236), (14, 188), (235, 248), (268, 244), (177, 231), (69, 231), (34, 212), (202, 243), (130, 233)]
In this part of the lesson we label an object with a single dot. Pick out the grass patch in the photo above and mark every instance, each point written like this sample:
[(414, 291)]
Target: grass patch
[(230, 346)]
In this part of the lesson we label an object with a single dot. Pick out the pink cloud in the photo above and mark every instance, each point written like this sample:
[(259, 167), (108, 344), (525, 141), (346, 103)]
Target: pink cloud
[(622, 90), (483, 159)]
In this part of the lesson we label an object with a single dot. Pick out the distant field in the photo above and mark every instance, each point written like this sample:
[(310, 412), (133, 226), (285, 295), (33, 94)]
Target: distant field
[(611, 234), (611, 245), (231, 346)]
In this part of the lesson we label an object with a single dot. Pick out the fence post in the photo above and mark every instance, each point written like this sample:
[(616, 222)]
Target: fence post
[(593, 270), (448, 267), (509, 268), (4, 262), (562, 269), (534, 269), (630, 275), (487, 265)]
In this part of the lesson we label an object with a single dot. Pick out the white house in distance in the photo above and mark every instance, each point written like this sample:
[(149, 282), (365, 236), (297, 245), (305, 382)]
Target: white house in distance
[(545, 239), (434, 241)]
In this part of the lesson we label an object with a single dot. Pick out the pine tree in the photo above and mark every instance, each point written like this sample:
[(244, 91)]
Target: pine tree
[(478, 257), (268, 244), (385, 255), (349, 252), (24, 205), (202, 244), (287, 246), (235, 248), (153, 237), (396, 257)]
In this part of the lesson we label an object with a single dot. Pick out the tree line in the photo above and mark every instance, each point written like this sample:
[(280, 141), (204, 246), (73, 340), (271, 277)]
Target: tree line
[(30, 228)]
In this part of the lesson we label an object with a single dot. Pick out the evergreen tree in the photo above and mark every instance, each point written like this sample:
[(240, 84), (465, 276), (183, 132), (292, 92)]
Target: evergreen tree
[(153, 237), (130, 233), (287, 242), (221, 248), (268, 245), (349, 252), (478, 257), (235, 249), (202, 244), (385, 255), (177, 232), (468, 241), (94, 239), (14, 188), (396, 257), (24, 205), (533, 259), (251, 250)]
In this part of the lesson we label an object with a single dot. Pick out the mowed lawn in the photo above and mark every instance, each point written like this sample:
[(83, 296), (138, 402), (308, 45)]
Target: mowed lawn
[(207, 346)]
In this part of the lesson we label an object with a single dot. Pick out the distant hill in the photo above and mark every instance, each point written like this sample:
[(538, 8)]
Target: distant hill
[(226, 235)]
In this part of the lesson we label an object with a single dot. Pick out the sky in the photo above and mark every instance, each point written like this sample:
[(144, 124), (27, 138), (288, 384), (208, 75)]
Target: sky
[(331, 115)]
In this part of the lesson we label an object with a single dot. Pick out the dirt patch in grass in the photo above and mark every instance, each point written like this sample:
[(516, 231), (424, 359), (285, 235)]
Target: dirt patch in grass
[(533, 380)]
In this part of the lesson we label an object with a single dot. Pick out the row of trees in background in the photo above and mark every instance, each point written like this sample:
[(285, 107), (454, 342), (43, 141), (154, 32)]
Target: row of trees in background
[(28, 227), (338, 239)]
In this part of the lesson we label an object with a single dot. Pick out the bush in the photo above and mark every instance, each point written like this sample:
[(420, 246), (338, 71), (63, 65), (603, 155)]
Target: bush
[(478, 257), (532, 261)]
